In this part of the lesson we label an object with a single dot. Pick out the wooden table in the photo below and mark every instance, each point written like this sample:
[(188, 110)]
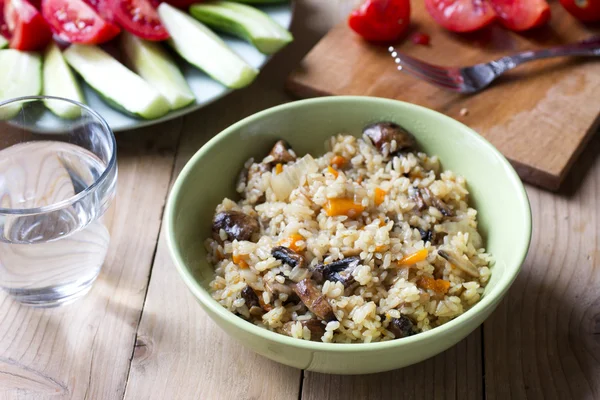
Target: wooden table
[(139, 334)]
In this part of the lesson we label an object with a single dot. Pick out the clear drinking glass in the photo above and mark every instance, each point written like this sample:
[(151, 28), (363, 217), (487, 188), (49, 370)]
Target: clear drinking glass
[(57, 179)]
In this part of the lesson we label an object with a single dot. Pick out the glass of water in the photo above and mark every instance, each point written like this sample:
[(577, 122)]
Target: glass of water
[(57, 179)]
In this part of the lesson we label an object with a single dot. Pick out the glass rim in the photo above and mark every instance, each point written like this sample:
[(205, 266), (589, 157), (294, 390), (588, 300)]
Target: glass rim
[(88, 190)]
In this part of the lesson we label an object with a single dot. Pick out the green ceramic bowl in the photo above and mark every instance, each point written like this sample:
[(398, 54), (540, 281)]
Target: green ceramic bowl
[(496, 192)]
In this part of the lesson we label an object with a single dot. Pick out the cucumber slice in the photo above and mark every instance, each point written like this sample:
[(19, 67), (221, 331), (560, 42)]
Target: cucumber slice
[(3, 42), (60, 82), (244, 21), (115, 82), (205, 50), (153, 64), (20, 75)]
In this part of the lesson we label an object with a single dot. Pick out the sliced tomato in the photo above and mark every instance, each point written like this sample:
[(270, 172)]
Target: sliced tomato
[(585, 10), (103, 8), (519, 15), (23, 25), (381, 20), (74, 21), (461, 15), (140, 18)]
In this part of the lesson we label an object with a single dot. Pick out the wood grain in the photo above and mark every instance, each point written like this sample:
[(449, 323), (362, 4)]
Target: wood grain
[(544, 339), (455, 374), (83, 351), (180, 353), (539, 116)]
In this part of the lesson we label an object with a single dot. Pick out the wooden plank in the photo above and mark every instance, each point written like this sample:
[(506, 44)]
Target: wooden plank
[(180, 353), (543, 340), (539, 116), (455, 374), (83, 350)]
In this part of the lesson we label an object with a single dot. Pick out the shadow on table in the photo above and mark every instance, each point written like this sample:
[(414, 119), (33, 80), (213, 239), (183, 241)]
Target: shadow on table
[(582, 166)]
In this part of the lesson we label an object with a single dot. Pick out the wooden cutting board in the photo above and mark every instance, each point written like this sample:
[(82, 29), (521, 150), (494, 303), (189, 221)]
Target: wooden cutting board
[(539, 115)]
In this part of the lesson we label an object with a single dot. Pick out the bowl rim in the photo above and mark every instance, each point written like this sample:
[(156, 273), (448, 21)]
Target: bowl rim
[(488, 301)]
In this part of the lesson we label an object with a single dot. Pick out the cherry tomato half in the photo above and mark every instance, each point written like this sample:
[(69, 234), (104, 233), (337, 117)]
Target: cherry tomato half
[(140, 18), (76, 22), (461, 15), (23, 25), (381, 20), (103, 8), (519, 15), (585, 10)]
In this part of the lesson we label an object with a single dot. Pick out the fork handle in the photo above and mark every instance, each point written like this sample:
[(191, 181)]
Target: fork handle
[(589, 47)]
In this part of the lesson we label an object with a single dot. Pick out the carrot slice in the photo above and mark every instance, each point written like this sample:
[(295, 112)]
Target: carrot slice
[(239, 260), (413, 258), (333, 171), (379, 196), (292, 242), (339, 161), (348, 207), (440, 286)]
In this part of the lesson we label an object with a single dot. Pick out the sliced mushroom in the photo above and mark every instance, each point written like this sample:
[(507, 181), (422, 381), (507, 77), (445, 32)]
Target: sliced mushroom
[(316, 328), (423, 198), (426, 235), (288, 256), (251, 299), (282, 153), (462, 263), (401, 327), (437, 203), (236, 224), (389, 138), (314, 300), (337, 271)]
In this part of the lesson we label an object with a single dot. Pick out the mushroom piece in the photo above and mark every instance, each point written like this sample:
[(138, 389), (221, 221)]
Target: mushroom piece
[(423, 198), (316, 328), (251, 299), (288, 256), (314, 300), (282, 153), (236, 224), (389, 138), (426, 235), (337, 271), (462, 263), (401, 327)]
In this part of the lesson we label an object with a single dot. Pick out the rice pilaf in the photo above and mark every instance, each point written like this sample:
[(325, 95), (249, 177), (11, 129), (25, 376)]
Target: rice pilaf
[(372, 241)]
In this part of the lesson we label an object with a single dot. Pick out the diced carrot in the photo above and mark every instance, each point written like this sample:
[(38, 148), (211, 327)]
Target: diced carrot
[(339, 161), (343, 206), (413, 258), (437, 285), (239, 260), (332, 171), (278, 169), (379, 196), (381, 248), (292, 242)]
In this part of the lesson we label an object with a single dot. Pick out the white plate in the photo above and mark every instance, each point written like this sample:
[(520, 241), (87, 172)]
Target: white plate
[(205, 88)]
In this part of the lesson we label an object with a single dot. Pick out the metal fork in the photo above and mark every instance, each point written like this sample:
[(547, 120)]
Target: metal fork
[(477, 77)]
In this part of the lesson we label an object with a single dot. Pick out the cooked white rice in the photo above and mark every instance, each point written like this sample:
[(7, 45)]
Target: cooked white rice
[(430, 292)]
